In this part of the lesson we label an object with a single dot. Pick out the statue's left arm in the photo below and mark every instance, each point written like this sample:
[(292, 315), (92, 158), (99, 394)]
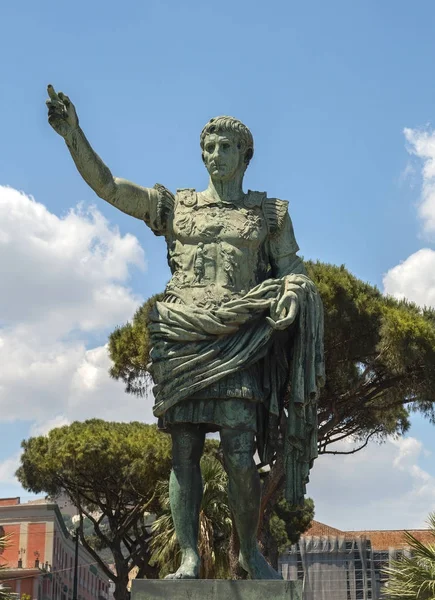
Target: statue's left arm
[(283, 251), (298, 300), (284, 262)]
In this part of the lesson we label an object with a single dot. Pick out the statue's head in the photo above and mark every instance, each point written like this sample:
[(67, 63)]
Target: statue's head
[(227, 147)]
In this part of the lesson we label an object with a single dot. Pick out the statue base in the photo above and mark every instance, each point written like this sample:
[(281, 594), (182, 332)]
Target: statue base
[(215, 589)]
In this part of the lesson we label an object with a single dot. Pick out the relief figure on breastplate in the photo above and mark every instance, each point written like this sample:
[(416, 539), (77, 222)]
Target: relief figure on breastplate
[(175, 262), (209, 226), (199, 265), (229, 265), (207, 300), (242, 299), (185, 224), (252, 226)]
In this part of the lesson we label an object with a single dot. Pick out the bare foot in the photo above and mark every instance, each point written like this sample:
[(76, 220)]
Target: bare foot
[(189, 568), (257, 566)]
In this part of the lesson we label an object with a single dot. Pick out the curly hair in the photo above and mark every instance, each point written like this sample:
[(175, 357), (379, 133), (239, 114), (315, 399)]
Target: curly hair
[(231, 125)]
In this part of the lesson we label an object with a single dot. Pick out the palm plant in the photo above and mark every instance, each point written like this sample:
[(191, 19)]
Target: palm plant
[(4, 590), (214, 525), (413, 577)]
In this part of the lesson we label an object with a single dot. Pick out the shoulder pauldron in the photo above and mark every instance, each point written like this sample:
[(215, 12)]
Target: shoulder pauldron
[(274, 211)]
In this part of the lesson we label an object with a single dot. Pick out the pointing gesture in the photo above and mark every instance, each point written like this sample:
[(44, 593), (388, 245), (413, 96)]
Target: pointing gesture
[(132, 199), (62, 115)]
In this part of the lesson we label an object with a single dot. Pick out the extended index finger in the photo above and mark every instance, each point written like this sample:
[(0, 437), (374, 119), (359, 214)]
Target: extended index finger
[(51, 92)]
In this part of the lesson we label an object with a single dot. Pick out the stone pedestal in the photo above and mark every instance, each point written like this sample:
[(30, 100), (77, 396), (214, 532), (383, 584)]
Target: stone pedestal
[(215, 589)]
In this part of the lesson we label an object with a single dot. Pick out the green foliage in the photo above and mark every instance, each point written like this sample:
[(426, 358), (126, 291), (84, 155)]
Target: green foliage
[(4, 542), (99, 464), (110, 472), (5, 593), (380, 358), (413, 578), (67, 519), (129, 349), (214, 524), (287, 523), (96, 542)]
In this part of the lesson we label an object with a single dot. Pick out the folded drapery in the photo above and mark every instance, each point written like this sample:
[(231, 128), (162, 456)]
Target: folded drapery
[(193, 347)]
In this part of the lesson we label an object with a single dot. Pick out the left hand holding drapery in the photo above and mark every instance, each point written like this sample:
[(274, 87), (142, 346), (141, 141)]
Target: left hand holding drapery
[(284, 312)]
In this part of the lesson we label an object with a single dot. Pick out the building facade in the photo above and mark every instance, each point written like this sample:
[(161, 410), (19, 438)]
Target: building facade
[(345, 565), (40, 555)]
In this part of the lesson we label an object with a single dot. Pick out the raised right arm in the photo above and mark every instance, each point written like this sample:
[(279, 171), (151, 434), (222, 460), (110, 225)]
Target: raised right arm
[(132, 199)]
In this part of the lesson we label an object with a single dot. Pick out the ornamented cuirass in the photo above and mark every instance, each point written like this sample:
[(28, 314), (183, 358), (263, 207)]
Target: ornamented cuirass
[(216, 251)]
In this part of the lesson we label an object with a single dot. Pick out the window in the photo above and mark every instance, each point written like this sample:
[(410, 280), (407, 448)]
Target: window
[(380, 561)]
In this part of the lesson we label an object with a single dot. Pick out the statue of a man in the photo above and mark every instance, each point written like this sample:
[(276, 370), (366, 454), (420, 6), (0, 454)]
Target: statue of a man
[(237, 342)]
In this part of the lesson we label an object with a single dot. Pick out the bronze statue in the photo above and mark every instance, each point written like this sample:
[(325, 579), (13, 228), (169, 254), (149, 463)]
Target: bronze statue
[(237, 342)]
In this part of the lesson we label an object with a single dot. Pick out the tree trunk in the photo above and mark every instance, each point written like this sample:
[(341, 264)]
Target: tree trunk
[(121, 592), (145, 569), (271, 488), (270, 547), (122, 570), (148, 571), (266, 541)]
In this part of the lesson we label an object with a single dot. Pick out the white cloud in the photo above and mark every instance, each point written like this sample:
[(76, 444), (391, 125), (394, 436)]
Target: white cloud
[(60, 274), (39, 428), (93, 393), (421, 143), (408, 175), (409, 451), (64, 280), (386, 485), (8, 468), (414, 278), (381, 487)]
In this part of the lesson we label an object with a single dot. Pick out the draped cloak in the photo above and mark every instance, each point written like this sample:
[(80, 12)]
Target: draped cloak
[(193, 347)]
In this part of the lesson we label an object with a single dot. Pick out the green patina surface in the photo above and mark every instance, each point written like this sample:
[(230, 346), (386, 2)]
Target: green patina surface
[(239, 332)]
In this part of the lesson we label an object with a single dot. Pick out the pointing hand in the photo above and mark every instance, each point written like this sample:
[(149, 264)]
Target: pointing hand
[(62, 115)]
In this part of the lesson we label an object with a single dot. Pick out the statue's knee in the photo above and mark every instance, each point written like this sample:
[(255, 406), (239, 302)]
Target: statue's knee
[(238, 450), (183, 460), (187, 447), (239, 464)]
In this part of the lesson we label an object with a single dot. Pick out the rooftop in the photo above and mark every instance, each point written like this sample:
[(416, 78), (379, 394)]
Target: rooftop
[(381, 539), (17, 501)]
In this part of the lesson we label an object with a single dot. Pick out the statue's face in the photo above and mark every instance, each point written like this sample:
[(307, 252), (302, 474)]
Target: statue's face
[(222, 156)]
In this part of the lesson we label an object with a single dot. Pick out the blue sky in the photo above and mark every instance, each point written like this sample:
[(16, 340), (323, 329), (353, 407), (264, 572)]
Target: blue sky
[(327, 90)]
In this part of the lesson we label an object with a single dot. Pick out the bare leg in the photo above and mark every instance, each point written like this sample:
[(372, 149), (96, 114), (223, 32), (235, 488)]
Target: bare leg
[(244, 498), (185, 493)]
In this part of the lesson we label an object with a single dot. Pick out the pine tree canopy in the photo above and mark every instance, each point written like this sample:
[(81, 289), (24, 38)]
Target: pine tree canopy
[(110, 472), (379, 351)]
